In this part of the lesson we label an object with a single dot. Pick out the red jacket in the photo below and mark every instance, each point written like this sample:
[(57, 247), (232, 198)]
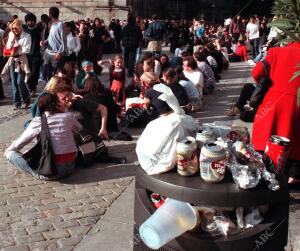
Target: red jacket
[(279, 113), (241, 51)]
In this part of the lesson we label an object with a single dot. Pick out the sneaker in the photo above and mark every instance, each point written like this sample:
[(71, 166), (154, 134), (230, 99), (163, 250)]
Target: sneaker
[(234, 111), (251, 62)]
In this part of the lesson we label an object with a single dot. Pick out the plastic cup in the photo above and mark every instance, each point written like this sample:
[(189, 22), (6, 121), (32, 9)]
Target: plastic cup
[(171, 220)]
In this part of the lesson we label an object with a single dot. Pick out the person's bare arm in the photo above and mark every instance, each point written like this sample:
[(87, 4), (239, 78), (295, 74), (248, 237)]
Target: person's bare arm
[(103, 130)]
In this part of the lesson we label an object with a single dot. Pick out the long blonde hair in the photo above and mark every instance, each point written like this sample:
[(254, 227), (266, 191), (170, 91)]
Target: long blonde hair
[(17, 23)]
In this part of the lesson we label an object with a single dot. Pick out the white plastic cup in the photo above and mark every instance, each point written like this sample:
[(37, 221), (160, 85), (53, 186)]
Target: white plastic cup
[(169, 221)]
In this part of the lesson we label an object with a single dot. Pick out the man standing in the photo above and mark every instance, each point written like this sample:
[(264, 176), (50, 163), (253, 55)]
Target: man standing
[(252, 31), (34, 56), (131, 37), (56, 44), (154, 34)]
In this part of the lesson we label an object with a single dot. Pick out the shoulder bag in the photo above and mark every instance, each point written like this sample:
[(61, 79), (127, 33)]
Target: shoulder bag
[(40, 157), (262, 87)]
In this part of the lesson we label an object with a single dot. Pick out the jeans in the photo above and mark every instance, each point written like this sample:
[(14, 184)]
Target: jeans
[(138, 55), (1, 67), (63, 170), (51, 65), (18, 86), (254, 45), (129, 58)]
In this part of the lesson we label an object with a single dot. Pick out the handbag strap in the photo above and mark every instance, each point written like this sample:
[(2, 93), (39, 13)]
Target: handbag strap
[(45, 135), (266, 67)]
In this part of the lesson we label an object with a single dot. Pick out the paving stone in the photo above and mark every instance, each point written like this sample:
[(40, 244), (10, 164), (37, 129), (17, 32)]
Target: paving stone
[(52, 200), (14, 185), (36, 237), (40, 228), (49, 220), (94, 212), (44, 190), (22, 211), (87, 221), (43, 245), (7, 241), (110, 197), (33, 216), (9, 220), (17, 200), (79, 230), (56, 234), (67, 248), (70, 216), (58, 211), (102, 204), (19, 232), (16, 248), (72, 241), (10, 191), (66, 224), (4, 227)]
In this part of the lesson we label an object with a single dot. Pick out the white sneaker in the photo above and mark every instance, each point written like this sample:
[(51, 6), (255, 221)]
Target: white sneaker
[(251, 62)]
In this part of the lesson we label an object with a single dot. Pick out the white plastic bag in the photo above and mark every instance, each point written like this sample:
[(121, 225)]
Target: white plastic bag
[(156, 147)]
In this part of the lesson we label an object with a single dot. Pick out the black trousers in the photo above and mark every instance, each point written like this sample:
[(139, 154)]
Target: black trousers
[(245, 95), (129, 58), (34, 65)]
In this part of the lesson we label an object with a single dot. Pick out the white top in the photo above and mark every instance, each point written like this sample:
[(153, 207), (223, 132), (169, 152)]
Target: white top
[(178, 52), (190, 88), (227, 21), (23, 42), (73, 44), (157, 68), (212, 62), (196, 77), (61, 127), (252, 30)]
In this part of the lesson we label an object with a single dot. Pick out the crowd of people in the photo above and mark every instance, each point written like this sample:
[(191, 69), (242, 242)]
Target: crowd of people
[(66, 58)]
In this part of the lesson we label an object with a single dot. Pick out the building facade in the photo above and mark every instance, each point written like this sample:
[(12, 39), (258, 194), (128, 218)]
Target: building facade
[(69, 9), (210, 10)]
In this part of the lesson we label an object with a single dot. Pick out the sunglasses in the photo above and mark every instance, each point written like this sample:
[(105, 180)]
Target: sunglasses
[(14, 29)]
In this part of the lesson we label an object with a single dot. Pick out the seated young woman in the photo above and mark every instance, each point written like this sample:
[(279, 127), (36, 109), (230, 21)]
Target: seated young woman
[(171, 80), (97, 93), (61, 126), (139, 116), (191, 90)]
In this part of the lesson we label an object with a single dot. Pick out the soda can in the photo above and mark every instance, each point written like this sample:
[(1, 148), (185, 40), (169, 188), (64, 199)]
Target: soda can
[(276, 153)]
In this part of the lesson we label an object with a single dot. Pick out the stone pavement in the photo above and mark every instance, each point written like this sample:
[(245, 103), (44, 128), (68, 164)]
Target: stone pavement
[(38, 215), (92, 209)]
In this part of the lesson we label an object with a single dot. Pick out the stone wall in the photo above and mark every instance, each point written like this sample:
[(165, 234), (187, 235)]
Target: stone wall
[(69, 9)]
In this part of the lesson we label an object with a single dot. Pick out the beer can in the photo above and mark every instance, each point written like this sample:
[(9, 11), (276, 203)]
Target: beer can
[(204, 136), (187, 158), (276, 153), (212, 167)]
